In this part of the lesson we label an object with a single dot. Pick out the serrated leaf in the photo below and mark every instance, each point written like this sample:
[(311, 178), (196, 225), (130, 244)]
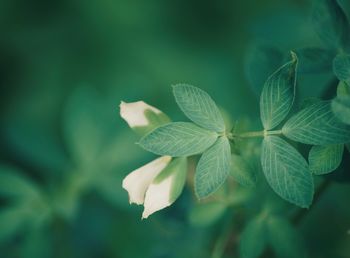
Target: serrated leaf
[(253, 239), (330, 23), (278, 94), (341, 67), (315, 60), (199, 107), (178, 139), (261, 61), (242, 171), (213, 168), (287, 171), (341, 108), (284, 238), (316, 125), (325, 159)]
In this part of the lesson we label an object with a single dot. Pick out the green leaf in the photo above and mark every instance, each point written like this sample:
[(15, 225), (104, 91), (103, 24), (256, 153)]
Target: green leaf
[(261, 61), (199, 107), (178, 139), (316, 125), (284, 238), (343, 89), (330, 23), (341, 67), (325, 159), (287, 171), (278, 94), (242, 171), (213, 168), (341, 108), (206, 214), (315, 60), (253, 239), (13, 184)]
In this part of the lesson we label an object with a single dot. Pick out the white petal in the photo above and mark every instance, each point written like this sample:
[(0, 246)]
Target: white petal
[(134, 113), (137, 182), (157, 196)]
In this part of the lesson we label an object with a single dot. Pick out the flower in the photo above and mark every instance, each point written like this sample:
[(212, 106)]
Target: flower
[(157, 184), (142, 117)]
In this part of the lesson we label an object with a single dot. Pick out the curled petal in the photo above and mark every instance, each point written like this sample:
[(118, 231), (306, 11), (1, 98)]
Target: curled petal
[(134, 113), (137, 182)]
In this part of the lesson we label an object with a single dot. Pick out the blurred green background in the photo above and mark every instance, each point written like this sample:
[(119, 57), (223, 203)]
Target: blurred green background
[(64, 150)]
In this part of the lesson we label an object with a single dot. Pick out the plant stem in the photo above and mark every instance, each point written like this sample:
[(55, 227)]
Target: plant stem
[(256, 134)]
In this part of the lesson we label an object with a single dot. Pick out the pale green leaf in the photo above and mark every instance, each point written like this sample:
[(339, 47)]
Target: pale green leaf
[(199, 107), (316, 125), (341, 108), (14, 184), (287, 171), (341, 67), (206, 214), (284, 238), (253, 239), (213, 168), (278, 94), (178, 139), (325, 159), (242, 171), (330, 23), (343, 89)]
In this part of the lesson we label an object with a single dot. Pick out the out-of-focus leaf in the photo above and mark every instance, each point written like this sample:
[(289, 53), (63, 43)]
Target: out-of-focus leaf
[(213, 168), (284, 238), (199, 107), (15, 184), (12, 221), (253, 239), (315, 60), (325, 159), (242, 171), (278, 94), (330, 23), (206, 214), (341, 67), (261, 62)]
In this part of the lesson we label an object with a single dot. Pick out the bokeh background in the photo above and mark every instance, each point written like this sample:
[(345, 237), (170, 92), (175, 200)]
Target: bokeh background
[(64, 150)]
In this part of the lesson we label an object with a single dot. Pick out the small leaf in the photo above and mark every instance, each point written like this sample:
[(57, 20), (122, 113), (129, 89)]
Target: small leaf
[(343, 89), (253, 239), (286, 171), (284, 238), (242, 171), (13, 184), (261, 61), (316, 125), (341, 108), (206, 214), (178, 139), (199, 107), (278, 94), (315, 60), (213, 168), (325, 159), (341, 67), (330, 23)]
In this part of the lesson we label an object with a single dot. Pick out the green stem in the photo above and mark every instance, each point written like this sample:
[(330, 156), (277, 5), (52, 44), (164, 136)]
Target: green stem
[(256, 134)]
